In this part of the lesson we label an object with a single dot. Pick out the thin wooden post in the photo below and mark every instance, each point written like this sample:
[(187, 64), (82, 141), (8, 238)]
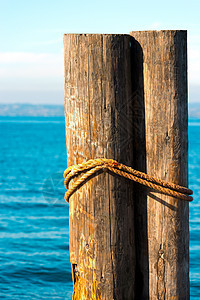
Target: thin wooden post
[(98, 112), (162, 245)]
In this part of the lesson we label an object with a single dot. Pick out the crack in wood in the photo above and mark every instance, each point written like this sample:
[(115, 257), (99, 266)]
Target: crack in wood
[(161, 275)]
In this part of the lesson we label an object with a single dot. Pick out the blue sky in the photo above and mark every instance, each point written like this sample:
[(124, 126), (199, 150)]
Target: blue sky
[(31, 39)]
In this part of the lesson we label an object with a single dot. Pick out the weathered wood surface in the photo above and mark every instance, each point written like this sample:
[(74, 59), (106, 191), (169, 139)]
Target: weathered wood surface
[(162, 233), (99, 123)]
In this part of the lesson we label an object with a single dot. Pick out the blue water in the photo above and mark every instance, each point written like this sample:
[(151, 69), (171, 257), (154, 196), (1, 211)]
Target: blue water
[(194, 184), (34, 233), (34, 248)]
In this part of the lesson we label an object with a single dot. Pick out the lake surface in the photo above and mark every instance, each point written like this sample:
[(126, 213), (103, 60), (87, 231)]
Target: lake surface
[(34, 232)]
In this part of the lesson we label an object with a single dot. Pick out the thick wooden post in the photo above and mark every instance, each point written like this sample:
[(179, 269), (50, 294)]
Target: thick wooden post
[(162, 234), (98, 112)]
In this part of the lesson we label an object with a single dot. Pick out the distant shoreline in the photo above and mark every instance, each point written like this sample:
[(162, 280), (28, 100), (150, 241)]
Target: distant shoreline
[(43, 110), (31, 110)]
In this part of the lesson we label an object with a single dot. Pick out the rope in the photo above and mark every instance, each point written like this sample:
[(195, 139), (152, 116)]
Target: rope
[(94, 167)]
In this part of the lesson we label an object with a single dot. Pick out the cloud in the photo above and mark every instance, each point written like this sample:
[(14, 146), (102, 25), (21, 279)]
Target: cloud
[(194, 59), (24, 71), (28, 57), (194, 67), (29, 71)]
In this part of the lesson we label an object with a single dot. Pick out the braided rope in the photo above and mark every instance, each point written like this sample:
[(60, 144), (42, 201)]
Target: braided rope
[(94, 167)]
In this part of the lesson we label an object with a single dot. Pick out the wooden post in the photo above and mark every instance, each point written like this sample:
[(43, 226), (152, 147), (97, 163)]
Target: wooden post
[(162, 231), (99, 123)]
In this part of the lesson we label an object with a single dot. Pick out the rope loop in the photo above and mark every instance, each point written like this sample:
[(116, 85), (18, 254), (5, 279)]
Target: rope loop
[(93, 167)]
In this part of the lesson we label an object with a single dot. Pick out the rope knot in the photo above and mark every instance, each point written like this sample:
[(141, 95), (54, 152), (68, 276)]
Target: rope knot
[(93, 167)]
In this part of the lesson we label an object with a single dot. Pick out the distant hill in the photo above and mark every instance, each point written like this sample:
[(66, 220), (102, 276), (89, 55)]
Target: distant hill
[(194, 110), (18, 109)]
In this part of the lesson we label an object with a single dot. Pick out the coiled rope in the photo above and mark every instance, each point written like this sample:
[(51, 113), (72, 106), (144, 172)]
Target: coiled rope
[(94, 167)]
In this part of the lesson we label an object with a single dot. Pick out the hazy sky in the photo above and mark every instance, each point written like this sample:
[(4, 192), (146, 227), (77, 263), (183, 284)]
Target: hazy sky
[(31, 34)]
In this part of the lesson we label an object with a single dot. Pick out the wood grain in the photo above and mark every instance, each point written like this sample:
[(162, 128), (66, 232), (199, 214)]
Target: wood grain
[(162, 244), (99, 123)]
